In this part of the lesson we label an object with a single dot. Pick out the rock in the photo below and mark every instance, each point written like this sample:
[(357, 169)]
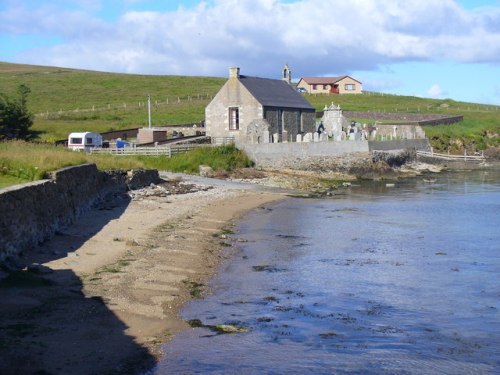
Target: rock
[(206, 171)]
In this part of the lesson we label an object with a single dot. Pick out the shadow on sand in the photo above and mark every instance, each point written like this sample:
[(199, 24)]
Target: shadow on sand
[(48, 325)]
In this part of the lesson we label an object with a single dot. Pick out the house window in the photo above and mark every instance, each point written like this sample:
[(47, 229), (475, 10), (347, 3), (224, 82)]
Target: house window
[(325, 87), (350, 87), (234, 118), (314, 87)]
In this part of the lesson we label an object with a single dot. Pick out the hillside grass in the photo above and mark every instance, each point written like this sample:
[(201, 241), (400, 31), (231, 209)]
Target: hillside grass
[(23, 162), (66, 100)]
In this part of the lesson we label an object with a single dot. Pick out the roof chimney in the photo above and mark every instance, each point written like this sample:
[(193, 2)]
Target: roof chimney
[(234, 72)]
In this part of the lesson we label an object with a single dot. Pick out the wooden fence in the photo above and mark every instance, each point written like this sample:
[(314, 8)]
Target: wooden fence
[(450, 157), (166, 150)]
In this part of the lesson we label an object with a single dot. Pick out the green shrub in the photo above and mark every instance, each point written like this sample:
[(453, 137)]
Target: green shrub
[(222, 158)]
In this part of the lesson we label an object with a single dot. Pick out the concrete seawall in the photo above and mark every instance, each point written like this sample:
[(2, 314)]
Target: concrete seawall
[(33, 212)]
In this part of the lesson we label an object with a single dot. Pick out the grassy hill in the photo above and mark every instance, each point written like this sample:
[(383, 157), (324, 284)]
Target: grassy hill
[(66, 100)]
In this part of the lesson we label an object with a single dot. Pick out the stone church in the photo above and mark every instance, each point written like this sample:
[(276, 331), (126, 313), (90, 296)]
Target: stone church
[(259, 110)]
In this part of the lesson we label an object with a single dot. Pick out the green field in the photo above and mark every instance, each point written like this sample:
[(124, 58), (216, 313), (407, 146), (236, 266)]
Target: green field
[(65, 100)]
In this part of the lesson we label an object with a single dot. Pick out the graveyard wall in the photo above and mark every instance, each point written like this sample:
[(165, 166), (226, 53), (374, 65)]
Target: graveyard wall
[(401, 144), (421, 119), (302, 155), (33, 212)]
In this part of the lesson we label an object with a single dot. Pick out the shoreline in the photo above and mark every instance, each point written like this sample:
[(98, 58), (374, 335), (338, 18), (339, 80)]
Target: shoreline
[(118, 277), (106, 296)]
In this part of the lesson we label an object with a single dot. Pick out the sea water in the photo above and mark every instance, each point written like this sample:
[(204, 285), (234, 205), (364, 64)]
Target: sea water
[(383, 279)]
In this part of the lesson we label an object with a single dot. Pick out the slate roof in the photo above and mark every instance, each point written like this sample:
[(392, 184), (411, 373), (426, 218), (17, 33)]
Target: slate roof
[(324, 80), (274, 93)]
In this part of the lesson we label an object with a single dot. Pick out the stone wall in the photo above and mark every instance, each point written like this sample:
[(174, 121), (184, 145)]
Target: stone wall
[(401, 144), (293, 121), (232, 94), (421, 119), (33, 212), (301, 155)]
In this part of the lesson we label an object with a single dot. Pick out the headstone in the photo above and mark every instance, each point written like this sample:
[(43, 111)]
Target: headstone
[(316, 137), (299, 138), (284, 136), (265, 136)]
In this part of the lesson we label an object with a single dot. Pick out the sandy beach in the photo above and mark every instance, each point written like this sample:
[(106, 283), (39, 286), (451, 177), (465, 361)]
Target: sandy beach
[(108, 289)]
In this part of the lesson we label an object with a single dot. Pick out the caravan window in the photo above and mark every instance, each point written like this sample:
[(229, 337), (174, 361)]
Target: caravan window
[(89, 141), (76, 141)]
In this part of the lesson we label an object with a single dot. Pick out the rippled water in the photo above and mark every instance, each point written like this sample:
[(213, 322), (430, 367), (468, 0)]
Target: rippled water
[(399, 280)]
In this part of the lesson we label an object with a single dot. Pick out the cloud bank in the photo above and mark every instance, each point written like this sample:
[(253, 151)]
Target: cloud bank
[(317, 37)]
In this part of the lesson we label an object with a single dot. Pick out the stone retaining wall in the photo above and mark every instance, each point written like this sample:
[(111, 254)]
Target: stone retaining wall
[(33, 212), (421, 119), (301, 155)]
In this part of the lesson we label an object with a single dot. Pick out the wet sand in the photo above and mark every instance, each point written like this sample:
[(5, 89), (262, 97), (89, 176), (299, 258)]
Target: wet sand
[(110, 286)]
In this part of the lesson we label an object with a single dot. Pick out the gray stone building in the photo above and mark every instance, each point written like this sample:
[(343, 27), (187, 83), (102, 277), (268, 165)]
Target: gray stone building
[(258, 110)]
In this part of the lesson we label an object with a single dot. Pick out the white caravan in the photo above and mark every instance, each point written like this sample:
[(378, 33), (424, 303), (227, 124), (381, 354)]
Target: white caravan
[(84, 141)]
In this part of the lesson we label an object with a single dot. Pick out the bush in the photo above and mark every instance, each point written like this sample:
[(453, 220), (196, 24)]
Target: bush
[(15, 119)]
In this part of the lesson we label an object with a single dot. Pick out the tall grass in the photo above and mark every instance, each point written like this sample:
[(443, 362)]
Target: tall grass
[(22, 162), (222, 158)]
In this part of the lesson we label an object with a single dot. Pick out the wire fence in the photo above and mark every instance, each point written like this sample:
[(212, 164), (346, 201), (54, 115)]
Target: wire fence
[(419, 107), (123, 106)]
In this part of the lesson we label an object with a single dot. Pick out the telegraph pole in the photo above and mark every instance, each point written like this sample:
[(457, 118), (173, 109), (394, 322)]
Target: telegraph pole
[(149, 111)]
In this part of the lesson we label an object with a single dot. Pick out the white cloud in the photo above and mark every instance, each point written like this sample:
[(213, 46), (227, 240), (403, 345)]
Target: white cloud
[(435, 91), (317, 37)]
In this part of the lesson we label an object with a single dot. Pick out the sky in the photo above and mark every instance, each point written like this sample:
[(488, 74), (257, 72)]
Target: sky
[(428, 48)]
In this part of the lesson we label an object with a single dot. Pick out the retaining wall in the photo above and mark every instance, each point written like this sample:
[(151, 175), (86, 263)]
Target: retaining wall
[(33, 212), (421, 119), (402, 144), (298, 155)]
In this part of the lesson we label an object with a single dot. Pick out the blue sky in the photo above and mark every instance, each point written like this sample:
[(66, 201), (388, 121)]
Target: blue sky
[(441, 49)]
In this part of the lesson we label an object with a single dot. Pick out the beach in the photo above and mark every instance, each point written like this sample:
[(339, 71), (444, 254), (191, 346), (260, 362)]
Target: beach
[(103, 295)]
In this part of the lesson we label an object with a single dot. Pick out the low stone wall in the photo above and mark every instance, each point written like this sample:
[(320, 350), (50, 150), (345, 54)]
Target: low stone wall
[(422, 119), (33, 212), (402, 144), (299, 155)]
